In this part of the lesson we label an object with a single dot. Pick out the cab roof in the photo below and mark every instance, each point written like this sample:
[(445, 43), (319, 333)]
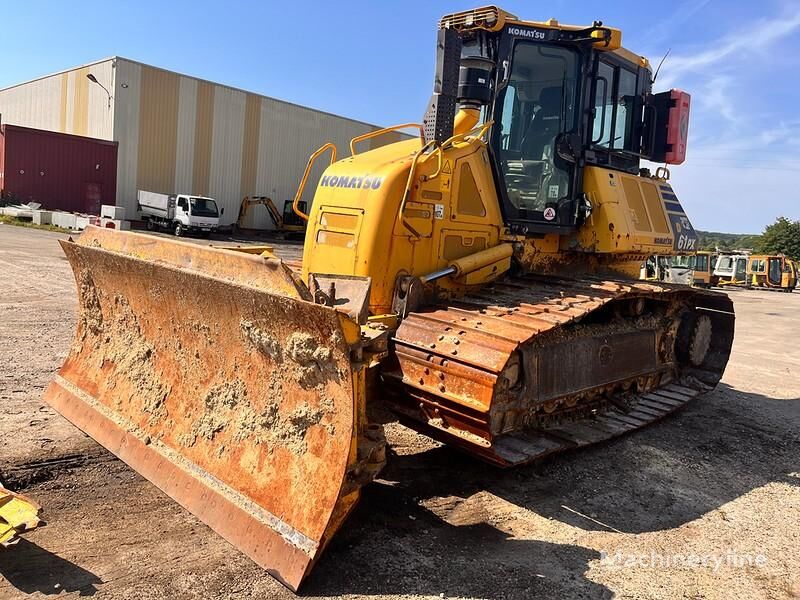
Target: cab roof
[(492, 18)]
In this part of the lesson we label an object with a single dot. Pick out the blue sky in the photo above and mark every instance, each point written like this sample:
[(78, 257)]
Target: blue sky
[(373, 61)]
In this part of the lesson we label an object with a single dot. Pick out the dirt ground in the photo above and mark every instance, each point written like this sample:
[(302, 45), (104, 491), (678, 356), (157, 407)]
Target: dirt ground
[(705, 504)]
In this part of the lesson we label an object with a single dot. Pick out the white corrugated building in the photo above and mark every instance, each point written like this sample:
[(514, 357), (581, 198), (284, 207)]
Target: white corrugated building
[(183, 134)]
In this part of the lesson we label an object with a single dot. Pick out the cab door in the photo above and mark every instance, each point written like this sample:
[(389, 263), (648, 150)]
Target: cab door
[(741, 269), (775, 271), (182, 210)]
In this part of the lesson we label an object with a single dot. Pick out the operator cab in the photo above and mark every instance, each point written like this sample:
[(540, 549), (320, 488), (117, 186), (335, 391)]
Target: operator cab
[(563, 104), (560, 98)]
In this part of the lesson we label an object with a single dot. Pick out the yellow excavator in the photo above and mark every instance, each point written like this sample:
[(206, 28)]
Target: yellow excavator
[(287, 224), (480, 280)]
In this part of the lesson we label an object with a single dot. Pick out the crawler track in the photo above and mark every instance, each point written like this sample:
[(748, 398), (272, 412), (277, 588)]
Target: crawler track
[(537, 365)]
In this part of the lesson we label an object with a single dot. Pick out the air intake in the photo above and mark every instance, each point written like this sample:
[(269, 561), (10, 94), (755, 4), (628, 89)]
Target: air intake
[(489, 18)]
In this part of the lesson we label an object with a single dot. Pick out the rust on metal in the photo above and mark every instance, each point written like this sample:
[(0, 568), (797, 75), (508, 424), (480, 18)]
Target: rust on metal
[(236, 398), (533, 365)]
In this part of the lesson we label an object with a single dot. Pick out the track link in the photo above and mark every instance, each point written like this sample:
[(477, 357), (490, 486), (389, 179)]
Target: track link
[(536, 365)]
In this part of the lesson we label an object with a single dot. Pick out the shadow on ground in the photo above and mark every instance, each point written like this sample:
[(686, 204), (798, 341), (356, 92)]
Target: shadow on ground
[(32, 569), (411, 551), (660, 478)]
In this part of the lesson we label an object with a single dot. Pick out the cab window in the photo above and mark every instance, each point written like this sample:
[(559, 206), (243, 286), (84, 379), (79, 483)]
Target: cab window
[(615, 108), (603, 105), (540, 102)]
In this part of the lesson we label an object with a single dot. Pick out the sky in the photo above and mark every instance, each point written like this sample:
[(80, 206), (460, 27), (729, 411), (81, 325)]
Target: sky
[(373, 61)]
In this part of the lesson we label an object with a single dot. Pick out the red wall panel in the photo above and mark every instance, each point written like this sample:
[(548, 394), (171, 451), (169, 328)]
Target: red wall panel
[(62, 171)]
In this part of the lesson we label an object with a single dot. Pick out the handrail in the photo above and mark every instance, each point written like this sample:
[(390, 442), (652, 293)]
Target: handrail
[(311, 159), (377, 132), (478, 132), (481, 131), (407, 191)]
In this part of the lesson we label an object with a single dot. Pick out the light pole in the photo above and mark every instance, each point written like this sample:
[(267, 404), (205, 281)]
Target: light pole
[(92, 78)]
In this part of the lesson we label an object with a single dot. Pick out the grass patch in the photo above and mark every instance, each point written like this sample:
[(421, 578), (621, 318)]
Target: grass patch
[(7, 220)]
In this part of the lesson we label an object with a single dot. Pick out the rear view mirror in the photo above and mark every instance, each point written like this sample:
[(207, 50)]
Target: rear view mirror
[(222, 211)]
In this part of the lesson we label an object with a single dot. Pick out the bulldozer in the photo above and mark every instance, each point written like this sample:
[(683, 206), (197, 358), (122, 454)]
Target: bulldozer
[(704, 264), (772, 272), (479, 279)]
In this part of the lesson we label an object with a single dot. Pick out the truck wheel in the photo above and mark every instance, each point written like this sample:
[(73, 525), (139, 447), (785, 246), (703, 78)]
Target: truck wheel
[(178, 230), (150, 225)]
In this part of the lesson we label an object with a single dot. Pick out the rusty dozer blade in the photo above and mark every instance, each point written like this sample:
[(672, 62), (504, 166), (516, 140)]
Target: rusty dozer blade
[(211, 373)]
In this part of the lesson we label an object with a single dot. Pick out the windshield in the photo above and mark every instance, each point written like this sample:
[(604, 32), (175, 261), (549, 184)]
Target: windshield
[(686, 262), (725, 263), (204, 207), (539, 104), (701, 263)]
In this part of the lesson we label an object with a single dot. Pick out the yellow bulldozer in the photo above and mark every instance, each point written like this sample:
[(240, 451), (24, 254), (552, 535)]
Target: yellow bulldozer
[(480, 280), (771, 271)]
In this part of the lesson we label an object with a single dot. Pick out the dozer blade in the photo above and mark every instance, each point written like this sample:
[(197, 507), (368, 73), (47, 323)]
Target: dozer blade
[(210, 373)]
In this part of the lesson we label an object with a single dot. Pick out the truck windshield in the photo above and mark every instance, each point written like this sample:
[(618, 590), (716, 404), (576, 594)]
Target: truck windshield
[(204, 207), (539, 104)]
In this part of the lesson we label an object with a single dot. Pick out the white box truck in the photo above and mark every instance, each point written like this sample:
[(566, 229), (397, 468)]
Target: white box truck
[(180, 213)]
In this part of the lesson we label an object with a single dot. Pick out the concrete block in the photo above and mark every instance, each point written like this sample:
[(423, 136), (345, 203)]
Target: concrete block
[(64, 219), (18, 212), (42, 217), (82, 222), (116, 213), (120, 224)]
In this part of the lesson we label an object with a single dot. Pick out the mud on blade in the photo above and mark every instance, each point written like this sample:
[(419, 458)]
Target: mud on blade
[(207, 372)]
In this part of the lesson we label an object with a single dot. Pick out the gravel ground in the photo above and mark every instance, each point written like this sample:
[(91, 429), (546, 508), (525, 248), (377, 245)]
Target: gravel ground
[(705, 504)]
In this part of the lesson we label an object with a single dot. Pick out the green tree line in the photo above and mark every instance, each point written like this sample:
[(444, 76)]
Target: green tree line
[(782, 237)]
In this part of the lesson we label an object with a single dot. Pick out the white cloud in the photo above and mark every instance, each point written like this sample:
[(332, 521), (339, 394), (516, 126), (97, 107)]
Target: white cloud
[(742, 163), (754, 38)]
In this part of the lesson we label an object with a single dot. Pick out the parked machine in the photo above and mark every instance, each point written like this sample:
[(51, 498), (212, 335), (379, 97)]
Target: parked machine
[(287, 224), (775, 272), (481, 281), (669, 269), (704, 263), (655, 268), (731, 270), (681, 269), (181, 213)]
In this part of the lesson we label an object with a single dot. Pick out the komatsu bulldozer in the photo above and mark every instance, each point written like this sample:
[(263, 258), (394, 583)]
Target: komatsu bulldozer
[(480, 280)]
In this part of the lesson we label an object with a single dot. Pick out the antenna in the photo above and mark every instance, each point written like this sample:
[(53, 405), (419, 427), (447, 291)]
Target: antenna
[(661, 63)]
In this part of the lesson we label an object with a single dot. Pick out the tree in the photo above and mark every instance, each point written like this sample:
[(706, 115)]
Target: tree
[(782, 237)]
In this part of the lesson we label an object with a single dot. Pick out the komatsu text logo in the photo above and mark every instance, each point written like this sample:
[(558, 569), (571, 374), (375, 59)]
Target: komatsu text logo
[(528, 33), (365, 182)]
